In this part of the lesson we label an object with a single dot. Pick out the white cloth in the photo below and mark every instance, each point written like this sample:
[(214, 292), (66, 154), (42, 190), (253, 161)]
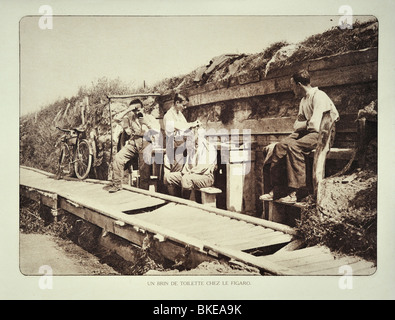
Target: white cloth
[(174, 122), (202, 160), (312, 107)]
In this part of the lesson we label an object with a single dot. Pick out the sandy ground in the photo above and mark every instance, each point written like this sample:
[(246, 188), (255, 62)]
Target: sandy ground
[(62, 256), (66, 258)]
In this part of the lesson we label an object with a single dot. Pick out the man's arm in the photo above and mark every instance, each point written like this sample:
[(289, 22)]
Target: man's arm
[(180, 125), (150, 122), (171, 125), (301, 123), (118, 117), (321, 103)]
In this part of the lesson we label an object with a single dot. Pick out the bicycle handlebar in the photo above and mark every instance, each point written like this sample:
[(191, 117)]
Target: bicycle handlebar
[(64, 130), (70, 130)]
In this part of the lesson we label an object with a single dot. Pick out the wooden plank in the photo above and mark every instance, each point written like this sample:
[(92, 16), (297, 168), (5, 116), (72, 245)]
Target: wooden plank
[(263, 242), (181, 221), (311, 262), (234, 215), (323, 146), (274, 126), (301, 253), (222, 231), (344, 75), (47, 199), (246, 238), (333, 267), (322, 64), (26, 172), (228, 235), (229, 232), (107, 203), (339, 153), (344, 59), (322, 263), (200, 224), (335, 61), (293, 245), (93, 213), (262, 126), (259, 262), (170, 250), (364, 268), (263, 237)]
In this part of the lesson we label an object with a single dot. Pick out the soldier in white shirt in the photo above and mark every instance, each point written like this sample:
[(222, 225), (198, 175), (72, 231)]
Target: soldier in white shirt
[(289, 153), (178, 135)]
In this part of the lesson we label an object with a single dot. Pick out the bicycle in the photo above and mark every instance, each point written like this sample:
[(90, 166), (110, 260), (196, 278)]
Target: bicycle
[(75, 154)]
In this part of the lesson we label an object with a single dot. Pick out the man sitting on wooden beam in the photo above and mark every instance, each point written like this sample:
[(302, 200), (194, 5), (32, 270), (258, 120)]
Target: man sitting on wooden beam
[(289, 154), (198, 170)]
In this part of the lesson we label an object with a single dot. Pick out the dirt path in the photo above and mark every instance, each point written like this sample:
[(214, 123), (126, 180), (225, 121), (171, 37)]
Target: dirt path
[(64, 257)]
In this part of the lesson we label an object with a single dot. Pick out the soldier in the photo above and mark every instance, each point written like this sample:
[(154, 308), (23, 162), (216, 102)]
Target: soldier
[(138, 130), (178, 135), (290, 151)]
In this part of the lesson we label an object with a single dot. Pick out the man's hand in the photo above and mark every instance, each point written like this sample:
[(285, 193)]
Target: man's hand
[(301, 117), (142, 120), (195, 124), (128, 131)]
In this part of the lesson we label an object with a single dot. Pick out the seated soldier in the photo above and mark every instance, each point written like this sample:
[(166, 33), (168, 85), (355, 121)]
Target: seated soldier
[(287, 165), (198, 170)]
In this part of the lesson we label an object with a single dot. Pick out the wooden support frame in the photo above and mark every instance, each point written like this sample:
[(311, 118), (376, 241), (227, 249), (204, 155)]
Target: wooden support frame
[(325, 141), (209, 196)]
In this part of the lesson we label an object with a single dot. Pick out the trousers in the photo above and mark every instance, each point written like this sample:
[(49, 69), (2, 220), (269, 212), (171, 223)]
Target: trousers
[(188, 181), (289, 154), (133, 149)]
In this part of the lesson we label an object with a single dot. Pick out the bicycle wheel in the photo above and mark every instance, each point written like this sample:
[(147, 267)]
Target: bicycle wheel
[(65, 167), (83, 159)]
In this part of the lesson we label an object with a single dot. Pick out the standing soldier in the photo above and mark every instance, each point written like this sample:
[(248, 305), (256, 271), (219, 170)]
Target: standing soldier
[(138, 129)]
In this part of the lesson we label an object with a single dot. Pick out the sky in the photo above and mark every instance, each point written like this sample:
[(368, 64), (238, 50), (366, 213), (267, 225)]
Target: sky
[(78, 50)]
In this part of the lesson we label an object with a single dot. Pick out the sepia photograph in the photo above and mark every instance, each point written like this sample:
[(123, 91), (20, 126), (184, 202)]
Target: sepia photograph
[(207, 151), (253, 162)]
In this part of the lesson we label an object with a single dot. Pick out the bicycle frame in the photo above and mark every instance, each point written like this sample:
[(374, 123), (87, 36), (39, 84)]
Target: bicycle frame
[(74, 139)]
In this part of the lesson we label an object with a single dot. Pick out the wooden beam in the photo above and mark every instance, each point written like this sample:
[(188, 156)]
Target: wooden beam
[(323, 146), (262, 126), (234, 215), (136, 95), (321, 78), (340, 69)]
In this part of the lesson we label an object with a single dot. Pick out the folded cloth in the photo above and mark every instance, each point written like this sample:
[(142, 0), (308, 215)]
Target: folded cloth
[(268, 152)]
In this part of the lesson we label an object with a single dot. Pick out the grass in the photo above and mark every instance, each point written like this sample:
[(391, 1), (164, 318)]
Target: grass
[(346, 222)]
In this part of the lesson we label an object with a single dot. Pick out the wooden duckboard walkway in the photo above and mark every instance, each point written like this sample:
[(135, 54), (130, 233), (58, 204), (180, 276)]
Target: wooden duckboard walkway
[(176, 224)]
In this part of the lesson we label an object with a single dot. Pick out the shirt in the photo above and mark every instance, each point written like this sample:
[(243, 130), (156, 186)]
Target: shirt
[(312, 107), (203, 160), (174, 122), (136, 128)]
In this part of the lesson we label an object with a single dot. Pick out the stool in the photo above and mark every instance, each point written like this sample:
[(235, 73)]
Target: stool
[(153, 184), (209, 196)]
